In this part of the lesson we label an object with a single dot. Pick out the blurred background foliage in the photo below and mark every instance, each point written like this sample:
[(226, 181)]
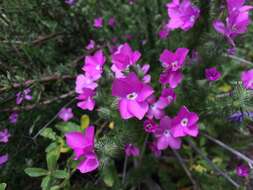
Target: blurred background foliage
[(44, 42)]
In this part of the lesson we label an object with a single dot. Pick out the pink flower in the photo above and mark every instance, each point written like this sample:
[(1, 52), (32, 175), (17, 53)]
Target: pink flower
[(153, 147), (98, 22), (156, 110), (3, 159), (13, 118), (242, 170), (83, 147), (132, 94), (112, 22), (174, 61), (123, 58), (212, 74), (173, 78), (150, 126), (82, 82), (87, 102), (164, 32), (93, 66), (185, 123), (4, 136), (91, 45), (25, 95), (164, 136), (247, 79), (131, 150), (66, 114), (167, 97), (182, 15), (146, 78)]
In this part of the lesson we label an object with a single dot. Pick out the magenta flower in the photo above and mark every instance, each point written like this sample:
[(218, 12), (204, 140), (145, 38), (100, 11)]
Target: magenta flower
[(174, 61), (4, 136), (83, 147), (247, 79), (66, 114), (123, 58), (150, 126), (165, 137), (156, 110), (112, 22), (98, 22), (153, 147), (91, 45), (173, 78), (25, 95), (164, 32), (237, 6), (212, 74), (167, 97), (182, 15), (93, 66), (13, 118), (82, 82), (3, 159), (185, 123), (242, 170), (132, 94), (131, 150), (146, 78), (87, 102)]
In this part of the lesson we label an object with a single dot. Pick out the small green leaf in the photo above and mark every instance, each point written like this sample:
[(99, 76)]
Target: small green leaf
[(45, 184), (52, 158), (56, 187), (67, 127), (85, 121), (60, 174), (109, 174), (3, 186), (36, 172), (49, 133)]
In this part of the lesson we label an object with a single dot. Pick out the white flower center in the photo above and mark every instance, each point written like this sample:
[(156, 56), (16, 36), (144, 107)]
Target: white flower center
[(192, 19), (132, 96), (166, 133), (184, 122), (97, 67), (174, 64)]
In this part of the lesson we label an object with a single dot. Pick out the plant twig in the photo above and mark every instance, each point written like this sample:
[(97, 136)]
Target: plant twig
[(188, 173), (239, 59), (124, 169), (232, 150), (218, 170)]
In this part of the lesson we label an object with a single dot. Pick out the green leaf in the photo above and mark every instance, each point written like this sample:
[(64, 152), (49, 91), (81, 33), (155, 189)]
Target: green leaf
[(109, 174), (3, 186), (60, 174), (67, 127), (52, 158), (36, 172), (49, 133), (85, 121), (45, 184), (56, 187)]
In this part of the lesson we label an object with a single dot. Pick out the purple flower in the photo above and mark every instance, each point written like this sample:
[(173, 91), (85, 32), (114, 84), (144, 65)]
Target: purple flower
[(123, 58), (237, 6), (132, 94), (70, 2), (66, 114), (247, 79), (98, 22), (150, 126), (4, 136), (242, 170), (156, 110), (164, 136), (25, 95), (174, 61), (167, 97), (112, 22), (239, 116), (93, 66), (185, 123), (146, 78), (173, 78), (91, 45), (87, 102), (153, 147), (82, 82), (13, 118), (83, 147), (212, 74), (131, 150), (3, 159), (182, 15)]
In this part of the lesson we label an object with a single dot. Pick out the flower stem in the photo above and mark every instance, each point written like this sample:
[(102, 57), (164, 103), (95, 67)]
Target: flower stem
[(124, 169)]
